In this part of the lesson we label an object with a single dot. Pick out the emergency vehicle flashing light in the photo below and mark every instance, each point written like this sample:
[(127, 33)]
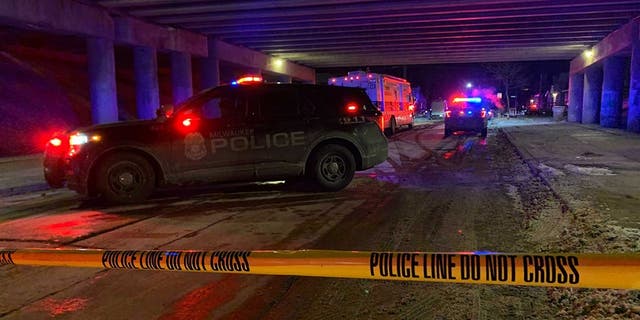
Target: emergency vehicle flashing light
[(249, 79), (475, 100)]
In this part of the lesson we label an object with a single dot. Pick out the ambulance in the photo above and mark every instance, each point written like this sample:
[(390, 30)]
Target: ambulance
[(392, 95)]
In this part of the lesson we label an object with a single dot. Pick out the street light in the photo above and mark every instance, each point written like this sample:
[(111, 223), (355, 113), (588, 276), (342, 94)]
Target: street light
[(589, 53), (554, 95), (469, 85)]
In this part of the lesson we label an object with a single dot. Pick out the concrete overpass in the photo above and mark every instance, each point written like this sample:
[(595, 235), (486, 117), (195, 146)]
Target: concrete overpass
[(604, 83), (102, 30), (287, 38)]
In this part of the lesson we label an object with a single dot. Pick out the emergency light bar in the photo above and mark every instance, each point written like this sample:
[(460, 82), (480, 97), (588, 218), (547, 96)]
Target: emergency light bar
[(475, 99), (247, 80)]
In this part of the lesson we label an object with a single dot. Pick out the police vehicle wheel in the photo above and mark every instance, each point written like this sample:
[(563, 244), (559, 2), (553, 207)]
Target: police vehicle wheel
[(483, 133), (54, 180), (333, 167), (125, 178)]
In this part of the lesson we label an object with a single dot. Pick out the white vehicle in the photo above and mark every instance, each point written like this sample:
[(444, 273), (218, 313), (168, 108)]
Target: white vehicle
[(437, 109), (392, 95)]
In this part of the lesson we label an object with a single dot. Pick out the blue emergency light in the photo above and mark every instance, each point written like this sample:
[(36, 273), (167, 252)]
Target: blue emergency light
[(474, 99)]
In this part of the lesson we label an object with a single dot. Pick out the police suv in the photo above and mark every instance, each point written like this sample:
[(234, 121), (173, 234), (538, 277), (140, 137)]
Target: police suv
[(466, 114), (246, 131)]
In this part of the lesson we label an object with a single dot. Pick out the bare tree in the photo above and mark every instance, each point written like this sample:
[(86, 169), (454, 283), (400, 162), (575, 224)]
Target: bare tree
[(510, 75)]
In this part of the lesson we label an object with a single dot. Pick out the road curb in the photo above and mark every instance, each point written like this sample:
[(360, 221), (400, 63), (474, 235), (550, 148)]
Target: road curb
[(532, 163)]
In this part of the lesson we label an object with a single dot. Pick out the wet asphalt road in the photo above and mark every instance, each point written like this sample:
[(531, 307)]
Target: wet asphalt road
[(462, 193)]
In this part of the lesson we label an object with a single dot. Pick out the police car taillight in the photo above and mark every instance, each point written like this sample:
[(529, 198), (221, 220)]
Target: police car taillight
[(352, 108), (55, 142), (483, 113)]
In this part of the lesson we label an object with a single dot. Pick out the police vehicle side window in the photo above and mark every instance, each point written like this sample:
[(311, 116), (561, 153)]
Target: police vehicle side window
[(226, 107), (279, 103)]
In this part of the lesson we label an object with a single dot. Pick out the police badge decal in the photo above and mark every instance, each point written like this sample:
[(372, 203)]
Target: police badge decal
[(194, 147)]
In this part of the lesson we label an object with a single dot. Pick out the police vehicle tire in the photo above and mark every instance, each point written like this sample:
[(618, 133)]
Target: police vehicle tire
[(483, 133), (332, 167), (125, 178), (54, 180)]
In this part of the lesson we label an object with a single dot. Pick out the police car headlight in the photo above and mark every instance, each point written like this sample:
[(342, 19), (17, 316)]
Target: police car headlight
[(78, 139)]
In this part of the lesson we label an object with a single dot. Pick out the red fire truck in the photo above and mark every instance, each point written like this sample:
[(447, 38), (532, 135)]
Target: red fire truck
[(392, 95)]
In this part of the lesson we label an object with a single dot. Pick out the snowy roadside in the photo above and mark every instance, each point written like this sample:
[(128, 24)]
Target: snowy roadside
[(594, 174), (20, 175)]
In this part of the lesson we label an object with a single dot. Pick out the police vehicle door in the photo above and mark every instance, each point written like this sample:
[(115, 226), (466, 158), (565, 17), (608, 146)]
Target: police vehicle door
[(215, 148), (283, 130)]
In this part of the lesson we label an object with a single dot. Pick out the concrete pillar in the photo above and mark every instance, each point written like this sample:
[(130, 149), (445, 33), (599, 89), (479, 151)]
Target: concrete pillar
[(210, 72), (576, 85), (592, 94), (612, 82), (633, 118), (181, 78), (145, 68), (210, 66), (102, 80)]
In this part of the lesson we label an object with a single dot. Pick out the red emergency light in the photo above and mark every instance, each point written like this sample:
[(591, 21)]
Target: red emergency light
[(248, 79)]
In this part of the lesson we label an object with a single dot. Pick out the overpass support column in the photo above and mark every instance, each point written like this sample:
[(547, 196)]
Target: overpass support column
[(210, 72), (145, 67), (181, 77), (211, 66), (633, 118), (576, 85), (612, 82), (102, 80), (592, 95)]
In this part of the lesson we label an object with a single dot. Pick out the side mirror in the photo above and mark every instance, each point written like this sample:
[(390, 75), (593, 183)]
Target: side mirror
[(164, 112)]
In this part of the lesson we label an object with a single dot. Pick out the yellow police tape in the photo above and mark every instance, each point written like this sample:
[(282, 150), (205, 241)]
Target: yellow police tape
[(615, 271)]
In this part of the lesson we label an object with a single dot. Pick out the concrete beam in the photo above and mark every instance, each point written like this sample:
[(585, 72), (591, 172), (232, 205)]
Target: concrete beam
[(254, 59), (61, 16), (138, 33), (612, 44)]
